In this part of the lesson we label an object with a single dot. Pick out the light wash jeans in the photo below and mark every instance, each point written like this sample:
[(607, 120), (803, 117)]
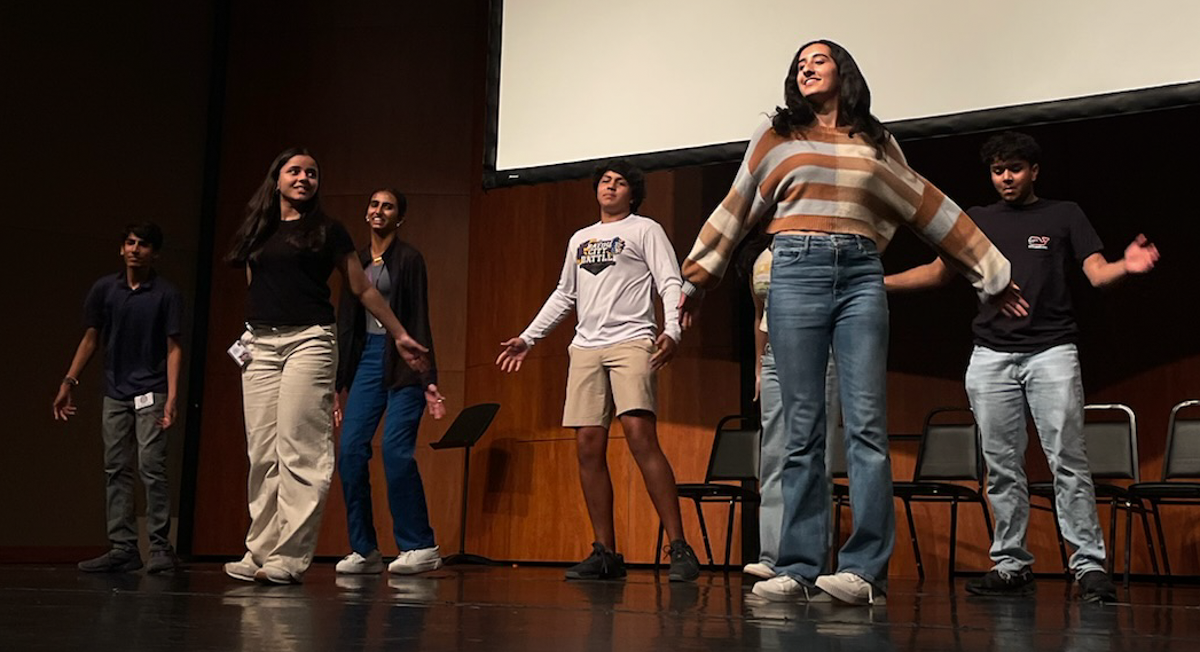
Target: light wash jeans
[(999, 385), (770, 459), (828, 290)]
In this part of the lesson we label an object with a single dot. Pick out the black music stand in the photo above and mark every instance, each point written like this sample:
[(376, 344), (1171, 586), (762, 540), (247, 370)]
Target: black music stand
[(468, 428)]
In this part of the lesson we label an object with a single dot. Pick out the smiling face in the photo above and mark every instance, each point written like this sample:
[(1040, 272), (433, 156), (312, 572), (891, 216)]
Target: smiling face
[(298, 180), (614, 194), (137, 253), (817, 74), (383, 213), (1013, 179)]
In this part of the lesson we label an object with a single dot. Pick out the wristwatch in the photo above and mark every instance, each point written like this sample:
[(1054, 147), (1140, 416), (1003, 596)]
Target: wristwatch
[(69, 380)]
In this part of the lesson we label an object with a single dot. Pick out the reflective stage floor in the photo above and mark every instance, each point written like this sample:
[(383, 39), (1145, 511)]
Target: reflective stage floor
[(532, 609)]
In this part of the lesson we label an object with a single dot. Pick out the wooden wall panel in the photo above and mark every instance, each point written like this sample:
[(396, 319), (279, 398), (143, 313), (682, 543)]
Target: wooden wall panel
[(393, 96)]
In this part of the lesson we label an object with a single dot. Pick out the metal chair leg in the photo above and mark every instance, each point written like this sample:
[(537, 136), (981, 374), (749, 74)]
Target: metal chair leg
[(1112, 535), (704, 533), (1062, 547), (1128, 539), (1141, 508), (1162, 541), (912, 533), (953, 537), (729, 534)]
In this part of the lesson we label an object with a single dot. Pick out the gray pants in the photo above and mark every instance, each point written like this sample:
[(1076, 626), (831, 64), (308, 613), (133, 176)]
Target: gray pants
[(124, 428)]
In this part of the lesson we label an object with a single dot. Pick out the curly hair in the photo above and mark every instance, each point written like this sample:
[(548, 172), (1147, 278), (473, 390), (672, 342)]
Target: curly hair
[(633, 175), (1010, 146), (854, 101)]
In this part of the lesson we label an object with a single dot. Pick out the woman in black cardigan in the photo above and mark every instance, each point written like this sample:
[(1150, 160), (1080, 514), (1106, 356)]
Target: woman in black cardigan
[(379, 381)]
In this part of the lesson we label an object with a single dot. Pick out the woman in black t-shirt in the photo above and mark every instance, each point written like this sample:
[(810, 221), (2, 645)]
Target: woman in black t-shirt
[(289, 248)]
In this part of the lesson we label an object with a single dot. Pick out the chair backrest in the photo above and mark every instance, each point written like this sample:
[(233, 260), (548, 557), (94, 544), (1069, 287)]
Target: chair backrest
[(1111, 444), (468, 426), (949, 447), (1183, 442), (735, 451)]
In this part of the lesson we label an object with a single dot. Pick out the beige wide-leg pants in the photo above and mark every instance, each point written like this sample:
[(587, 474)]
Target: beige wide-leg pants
[(287, 397)]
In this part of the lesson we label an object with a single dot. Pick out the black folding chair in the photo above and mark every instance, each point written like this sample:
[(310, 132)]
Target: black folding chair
[(734, 458), (468, 428), (1182, 460), (949, 453)]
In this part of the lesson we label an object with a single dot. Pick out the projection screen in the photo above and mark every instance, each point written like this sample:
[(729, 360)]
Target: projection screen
[(677, 82)]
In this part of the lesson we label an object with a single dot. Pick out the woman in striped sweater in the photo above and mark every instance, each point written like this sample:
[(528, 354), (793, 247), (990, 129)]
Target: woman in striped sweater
[(835, 186)]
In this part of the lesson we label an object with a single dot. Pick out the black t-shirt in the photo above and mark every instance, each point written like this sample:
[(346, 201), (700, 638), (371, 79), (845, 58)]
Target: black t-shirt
[(1041, 240), (289, 286), (134, 326)]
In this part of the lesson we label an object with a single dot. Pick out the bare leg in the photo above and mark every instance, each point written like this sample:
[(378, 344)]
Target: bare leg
[(641, 433), (592, 447)]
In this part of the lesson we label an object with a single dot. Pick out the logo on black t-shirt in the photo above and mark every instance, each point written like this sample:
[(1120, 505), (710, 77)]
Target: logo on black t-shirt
[(1041, 242), (598, 255)]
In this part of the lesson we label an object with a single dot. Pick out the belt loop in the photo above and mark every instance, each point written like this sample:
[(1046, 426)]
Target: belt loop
[(807, 244)]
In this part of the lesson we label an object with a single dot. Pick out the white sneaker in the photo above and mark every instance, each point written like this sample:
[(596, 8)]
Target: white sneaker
[(759, 569), (243, 569), (356, 564), (411, 562), (782, 588), (850, 588)]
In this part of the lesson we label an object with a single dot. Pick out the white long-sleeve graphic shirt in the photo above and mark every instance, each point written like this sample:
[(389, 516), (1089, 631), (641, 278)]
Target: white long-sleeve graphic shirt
[(610, 272)]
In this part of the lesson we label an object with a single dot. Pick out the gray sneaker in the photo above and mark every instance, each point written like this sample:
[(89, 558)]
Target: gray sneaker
[(162, 561), (117, 560)]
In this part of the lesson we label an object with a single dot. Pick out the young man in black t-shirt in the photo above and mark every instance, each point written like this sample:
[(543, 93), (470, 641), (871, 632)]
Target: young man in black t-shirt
[(136, 316), (1031, 360)]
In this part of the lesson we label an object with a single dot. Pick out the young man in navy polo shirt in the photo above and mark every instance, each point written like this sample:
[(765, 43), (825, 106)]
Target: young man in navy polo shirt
[(136, 316), (1032, 361)]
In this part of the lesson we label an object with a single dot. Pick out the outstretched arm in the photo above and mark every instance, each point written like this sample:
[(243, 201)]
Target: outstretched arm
[(930, 275), (727, 226), (937, 273), (64, 403), (1140, 257), (558, 305)]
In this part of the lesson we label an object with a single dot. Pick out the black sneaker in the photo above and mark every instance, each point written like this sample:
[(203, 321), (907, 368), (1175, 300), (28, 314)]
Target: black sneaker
[(684, 566), (162, 561), (602, 564), (998, 582), (1095, 586), (117, 560)]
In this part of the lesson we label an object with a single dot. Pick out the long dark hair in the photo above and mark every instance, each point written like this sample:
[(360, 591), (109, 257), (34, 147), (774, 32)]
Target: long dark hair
[(263, 212), (854, 101)]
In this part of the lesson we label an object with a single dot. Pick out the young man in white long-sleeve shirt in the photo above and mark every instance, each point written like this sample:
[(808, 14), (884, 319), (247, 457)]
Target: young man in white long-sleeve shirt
[(608, 278)]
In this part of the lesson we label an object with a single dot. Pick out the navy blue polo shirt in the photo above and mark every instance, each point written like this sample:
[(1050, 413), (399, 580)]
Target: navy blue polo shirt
[(134, 326)]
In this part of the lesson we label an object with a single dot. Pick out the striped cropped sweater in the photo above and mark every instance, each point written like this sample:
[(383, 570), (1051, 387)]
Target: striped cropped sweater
[(826, 180)]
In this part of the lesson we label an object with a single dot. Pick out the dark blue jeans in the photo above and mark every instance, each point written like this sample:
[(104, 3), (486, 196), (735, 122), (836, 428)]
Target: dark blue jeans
[(369, 397), (828, 289)]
